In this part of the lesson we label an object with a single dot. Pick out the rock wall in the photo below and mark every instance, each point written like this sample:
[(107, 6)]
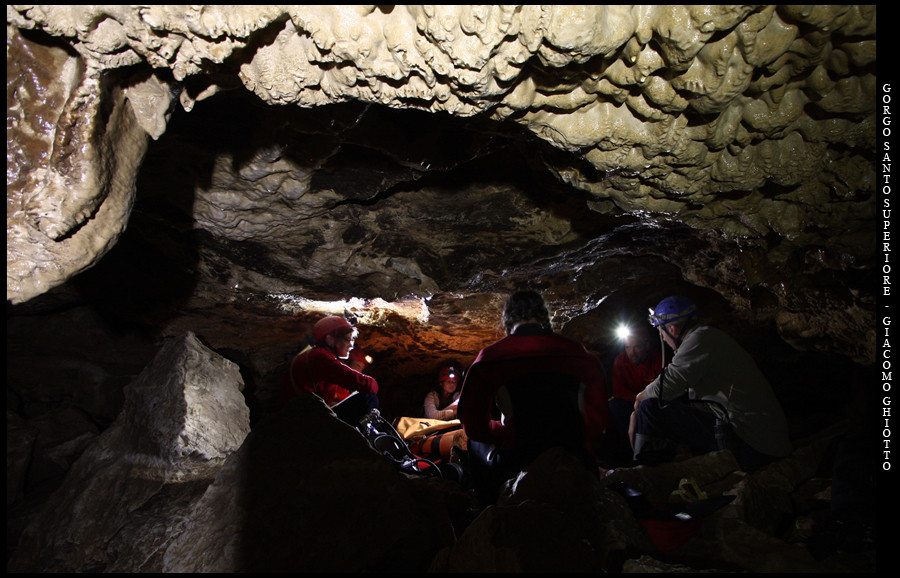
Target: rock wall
[(753, 121)]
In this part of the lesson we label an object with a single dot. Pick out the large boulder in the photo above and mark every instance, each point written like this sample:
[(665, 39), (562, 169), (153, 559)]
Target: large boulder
[(183, 415)]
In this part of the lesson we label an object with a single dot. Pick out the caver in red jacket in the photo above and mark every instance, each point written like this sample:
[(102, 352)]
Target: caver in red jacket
[(629, 379), (541, 358), (318, 370)]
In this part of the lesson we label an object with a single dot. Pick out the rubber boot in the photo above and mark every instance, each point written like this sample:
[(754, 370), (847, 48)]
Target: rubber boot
[(651, 451)]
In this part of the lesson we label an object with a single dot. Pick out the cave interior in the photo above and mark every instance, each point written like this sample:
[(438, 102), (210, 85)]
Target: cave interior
[(252, 220)]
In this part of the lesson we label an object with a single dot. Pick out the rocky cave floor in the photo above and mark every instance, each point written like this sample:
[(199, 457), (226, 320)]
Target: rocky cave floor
[(795, 511)]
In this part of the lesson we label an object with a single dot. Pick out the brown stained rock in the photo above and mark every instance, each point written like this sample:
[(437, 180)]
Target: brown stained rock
[(74, 164)]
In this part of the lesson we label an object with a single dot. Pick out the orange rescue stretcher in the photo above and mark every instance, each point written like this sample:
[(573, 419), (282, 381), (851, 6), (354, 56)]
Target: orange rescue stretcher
[(432, 439)]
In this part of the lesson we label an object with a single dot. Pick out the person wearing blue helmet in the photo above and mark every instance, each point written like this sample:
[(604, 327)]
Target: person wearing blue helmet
[(711, 391)]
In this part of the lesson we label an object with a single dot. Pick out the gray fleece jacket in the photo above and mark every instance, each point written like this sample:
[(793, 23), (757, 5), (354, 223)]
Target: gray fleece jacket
[(710, 365)]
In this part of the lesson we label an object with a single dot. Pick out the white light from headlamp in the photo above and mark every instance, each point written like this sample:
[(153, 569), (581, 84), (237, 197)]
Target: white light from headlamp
[(623, 331)]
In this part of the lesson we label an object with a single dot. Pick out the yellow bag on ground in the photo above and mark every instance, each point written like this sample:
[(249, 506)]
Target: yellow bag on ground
[(416, 427)]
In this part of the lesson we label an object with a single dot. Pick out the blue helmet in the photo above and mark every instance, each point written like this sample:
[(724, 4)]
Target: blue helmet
[(672, 309)]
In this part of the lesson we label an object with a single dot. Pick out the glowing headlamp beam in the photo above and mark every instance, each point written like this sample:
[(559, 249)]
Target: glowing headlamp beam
[(623, 331)]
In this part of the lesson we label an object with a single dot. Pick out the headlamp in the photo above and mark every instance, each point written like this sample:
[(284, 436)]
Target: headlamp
[(623, 331)]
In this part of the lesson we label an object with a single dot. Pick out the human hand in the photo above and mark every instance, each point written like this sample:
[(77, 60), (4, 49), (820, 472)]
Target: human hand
[(638, 399), (631, 422)]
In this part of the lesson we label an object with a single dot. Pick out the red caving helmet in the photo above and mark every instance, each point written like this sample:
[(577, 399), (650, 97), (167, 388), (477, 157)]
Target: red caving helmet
[(328, 325)]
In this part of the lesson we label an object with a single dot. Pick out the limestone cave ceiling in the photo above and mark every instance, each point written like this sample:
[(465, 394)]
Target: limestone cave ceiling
[(412, 164)]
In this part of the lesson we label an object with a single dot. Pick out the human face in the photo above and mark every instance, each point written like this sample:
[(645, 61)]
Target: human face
[(636, 349), (669, 332), (448, 384), (342, 344)]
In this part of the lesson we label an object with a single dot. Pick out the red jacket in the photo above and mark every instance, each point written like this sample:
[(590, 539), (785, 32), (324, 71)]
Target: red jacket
[(319, 371), (516, 357), (629, 379)]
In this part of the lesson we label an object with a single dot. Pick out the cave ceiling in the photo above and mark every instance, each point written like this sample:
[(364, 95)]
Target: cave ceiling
[(412, 164)]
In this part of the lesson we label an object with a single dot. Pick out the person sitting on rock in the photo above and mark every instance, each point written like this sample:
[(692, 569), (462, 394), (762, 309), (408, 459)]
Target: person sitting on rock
[(547, 389), (634, 368), (319, 370), (719, 380), (441, 402)]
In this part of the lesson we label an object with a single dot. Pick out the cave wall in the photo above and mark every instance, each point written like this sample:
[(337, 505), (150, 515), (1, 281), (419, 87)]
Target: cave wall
[(753, 126), (413, 164), (240, 171)]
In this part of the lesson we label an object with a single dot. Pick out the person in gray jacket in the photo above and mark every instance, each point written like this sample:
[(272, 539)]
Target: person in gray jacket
[(712, 387)]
